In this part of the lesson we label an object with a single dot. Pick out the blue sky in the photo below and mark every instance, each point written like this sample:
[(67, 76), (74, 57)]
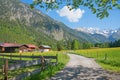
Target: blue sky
[(83, 17)]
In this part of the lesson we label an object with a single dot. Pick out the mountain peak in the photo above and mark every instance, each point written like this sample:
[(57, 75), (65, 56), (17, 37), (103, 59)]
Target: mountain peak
[(104, 32)]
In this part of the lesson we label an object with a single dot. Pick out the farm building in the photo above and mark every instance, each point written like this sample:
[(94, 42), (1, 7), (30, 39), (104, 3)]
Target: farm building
[(44, 48), (8, 47), (27, 48)]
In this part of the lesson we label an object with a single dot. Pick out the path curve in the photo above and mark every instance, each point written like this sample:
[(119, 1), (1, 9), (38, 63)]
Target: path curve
[(76, 60), (82, 68)]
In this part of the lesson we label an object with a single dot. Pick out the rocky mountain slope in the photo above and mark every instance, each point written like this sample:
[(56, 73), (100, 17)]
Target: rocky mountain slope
[(19, 23)]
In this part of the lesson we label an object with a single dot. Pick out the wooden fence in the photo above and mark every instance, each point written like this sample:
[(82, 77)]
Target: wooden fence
[(23, 56), (43, 60)]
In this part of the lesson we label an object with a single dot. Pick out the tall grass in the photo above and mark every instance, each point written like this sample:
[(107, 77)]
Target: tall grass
[(51, 70), (108, 58)]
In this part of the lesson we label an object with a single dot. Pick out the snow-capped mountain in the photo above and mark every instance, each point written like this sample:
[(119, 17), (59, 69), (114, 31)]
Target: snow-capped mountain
[(103, 32), (98, 35)]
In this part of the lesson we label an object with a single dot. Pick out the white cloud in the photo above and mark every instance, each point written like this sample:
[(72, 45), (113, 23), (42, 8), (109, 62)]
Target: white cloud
[(71, 15)]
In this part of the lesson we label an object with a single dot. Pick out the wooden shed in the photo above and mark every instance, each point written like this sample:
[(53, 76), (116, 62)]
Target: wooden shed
[(44, 48), (27, 48), (8, 47)]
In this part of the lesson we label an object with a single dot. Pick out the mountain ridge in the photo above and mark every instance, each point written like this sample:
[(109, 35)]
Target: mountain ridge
[(110, 34), (19, 23), (24, 25)]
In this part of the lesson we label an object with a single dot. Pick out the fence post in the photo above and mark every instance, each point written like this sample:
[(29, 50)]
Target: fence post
[(43, 61), (3, 57), (20, 58), (56, 58), (2, 68), (6, 70), (106, 56), (32, 56), (10, 56)]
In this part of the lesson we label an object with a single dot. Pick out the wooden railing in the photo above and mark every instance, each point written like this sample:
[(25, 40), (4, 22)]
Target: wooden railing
[(42, 60)]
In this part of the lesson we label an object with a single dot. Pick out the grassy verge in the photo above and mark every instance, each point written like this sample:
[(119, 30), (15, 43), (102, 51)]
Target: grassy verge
[(109, 67), (51, 70), (108, 58)]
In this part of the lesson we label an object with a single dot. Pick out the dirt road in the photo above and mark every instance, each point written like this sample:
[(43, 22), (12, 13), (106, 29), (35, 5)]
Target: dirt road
[(82, 68), (76, 60)]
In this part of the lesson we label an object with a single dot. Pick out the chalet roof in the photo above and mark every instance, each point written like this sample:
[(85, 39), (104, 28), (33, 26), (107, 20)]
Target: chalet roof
[(9, 45), (30, 45), (45, 46)]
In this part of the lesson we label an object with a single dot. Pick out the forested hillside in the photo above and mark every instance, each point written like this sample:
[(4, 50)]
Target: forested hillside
[(21, 24), (11, 31)]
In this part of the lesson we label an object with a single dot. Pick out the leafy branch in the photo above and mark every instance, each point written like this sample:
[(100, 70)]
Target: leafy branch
[(98, 7)]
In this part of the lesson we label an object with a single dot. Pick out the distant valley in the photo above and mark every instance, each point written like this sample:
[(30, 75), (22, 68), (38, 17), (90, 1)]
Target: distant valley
[(19, 23)]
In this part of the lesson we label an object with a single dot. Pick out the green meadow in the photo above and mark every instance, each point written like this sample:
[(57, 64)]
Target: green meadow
[(108, 58)]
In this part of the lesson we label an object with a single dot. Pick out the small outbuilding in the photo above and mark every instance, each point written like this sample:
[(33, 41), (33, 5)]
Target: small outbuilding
[(8, 47), (27, 48), (44, 48)]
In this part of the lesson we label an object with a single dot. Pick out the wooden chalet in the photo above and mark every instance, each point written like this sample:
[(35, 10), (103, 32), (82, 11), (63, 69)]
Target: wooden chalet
[(44, 48), (27, 48), (8, 47)]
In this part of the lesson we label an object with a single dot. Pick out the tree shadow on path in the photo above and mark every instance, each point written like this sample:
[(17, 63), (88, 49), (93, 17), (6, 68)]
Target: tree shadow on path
[(83, 73)]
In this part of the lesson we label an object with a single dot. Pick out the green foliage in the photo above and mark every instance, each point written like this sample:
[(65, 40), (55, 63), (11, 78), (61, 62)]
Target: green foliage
[(102, 45), (59, 46), (12, 32), (69, 44), (75, 44), (110, 44), (87, 45), (98, 7), (115, 43), (46, 73)]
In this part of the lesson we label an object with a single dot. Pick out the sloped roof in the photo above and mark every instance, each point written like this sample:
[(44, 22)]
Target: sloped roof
[(9, 45), (45, 46), (30, 45)]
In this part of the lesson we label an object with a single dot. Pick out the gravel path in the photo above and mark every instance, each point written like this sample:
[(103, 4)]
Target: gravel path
[(82, 68), (76, 60)]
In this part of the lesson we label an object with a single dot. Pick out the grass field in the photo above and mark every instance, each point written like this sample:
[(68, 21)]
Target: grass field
[(108, 58), (62, 60)]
